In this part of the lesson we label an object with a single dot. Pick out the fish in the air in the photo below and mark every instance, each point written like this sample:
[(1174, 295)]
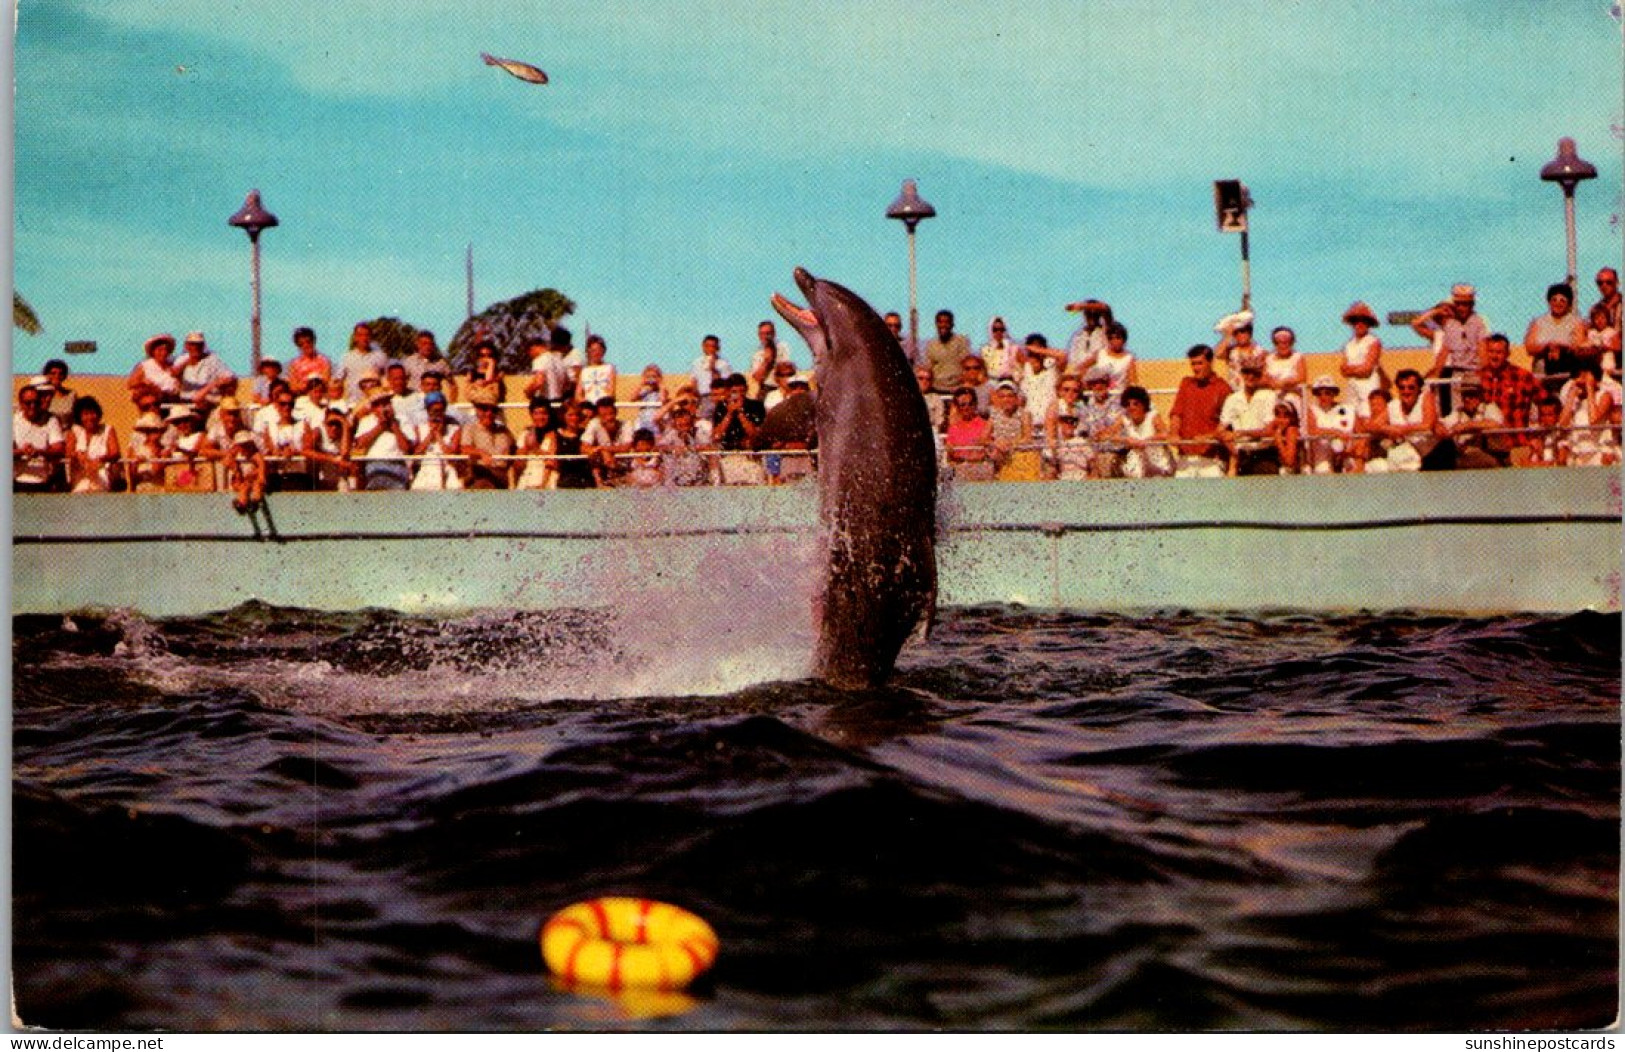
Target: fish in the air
[(523, 70)]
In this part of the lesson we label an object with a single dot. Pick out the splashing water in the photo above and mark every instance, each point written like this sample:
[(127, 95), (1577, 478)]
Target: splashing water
[(735, 622)]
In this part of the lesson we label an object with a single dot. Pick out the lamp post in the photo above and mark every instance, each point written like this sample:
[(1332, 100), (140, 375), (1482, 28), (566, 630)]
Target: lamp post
[(1231, 201), (253, 218), (1568, 170), (910, 207)]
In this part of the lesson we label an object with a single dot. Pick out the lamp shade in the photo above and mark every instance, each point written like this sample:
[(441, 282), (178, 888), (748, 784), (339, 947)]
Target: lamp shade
[(910, 207), (253, 216), (1567, 168)]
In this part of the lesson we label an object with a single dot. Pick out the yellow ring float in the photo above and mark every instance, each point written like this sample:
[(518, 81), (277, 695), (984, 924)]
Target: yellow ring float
[(627, 943)]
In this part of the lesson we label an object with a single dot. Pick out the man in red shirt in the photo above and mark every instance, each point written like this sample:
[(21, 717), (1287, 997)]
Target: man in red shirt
[(1511, 387), (1194, 417)]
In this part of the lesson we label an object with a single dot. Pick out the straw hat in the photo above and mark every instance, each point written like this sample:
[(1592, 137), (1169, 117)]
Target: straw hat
[(153, 341), (1324, 383), (180, 412), (1359, 310), (150, 422), (1463, 293), (229, 404)]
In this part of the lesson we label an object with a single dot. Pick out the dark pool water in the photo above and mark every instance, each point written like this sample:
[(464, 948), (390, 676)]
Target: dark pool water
[(278, 819)]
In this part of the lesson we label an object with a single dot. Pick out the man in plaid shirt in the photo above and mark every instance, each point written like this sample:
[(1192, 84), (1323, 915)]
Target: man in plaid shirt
[(1511, 387)]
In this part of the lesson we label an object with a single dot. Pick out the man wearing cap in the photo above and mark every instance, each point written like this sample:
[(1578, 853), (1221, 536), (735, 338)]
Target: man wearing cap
[(204, 377), (38, 445), (1457, 333), (379, 442), (1244, 423), (156, 373), (1194, 418), (307, 360), (1464, 428), (1329, 427)]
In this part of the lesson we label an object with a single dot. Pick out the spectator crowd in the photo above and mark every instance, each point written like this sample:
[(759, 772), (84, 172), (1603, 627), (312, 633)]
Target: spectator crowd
[(1010, 409)]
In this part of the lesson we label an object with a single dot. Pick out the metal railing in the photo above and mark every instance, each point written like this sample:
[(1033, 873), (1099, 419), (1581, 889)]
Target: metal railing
[(768, 466)]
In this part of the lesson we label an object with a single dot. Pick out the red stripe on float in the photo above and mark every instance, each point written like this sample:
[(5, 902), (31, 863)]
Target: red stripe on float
[(602, 915), (644, 906), (694, 958), (570, 959), (615, 966)]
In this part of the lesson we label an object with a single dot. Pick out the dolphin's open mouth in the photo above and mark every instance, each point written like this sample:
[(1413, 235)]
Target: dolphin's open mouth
[(798, 316)]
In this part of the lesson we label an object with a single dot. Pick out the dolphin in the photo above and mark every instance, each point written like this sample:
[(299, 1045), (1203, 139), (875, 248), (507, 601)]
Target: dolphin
[(877, 486)]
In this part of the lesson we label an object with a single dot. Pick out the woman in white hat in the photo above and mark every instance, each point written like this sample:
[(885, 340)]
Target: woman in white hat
[(146, 454), (184, 446), (1329, 426), (1361, 367), (156, 372)]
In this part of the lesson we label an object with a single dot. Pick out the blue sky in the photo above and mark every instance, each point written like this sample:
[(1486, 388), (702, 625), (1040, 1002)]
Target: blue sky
[(687, 155)]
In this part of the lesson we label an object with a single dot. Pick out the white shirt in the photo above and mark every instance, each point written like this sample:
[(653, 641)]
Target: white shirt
[(1339, 418), (35, 436), (596, 382), (556, 374), (596, 434), (1242, 412), (208, 371), (703, 367), (409, 410), (1038, 389), (159, 376)]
